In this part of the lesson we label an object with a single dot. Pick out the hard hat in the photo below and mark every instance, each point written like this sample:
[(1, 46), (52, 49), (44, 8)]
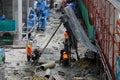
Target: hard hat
[(64, 52), (29, 46)]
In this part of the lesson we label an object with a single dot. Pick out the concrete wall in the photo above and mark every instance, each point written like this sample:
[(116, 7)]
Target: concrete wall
[(7, 8), (1, 10), (10, 7), (24, 10)]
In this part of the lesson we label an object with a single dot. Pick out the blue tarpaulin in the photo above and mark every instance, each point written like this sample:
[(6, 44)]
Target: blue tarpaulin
[(31, 20), (42, 14), (2, 17)]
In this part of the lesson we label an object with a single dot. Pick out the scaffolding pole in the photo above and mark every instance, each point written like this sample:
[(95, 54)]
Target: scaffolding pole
[(20, 19), (102, 14)]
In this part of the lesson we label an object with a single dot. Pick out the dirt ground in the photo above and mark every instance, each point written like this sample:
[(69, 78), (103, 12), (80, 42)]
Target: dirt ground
[(16, 66)]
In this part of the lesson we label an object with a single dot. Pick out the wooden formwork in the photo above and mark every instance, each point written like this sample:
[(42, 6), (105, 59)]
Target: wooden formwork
[(105, 16)]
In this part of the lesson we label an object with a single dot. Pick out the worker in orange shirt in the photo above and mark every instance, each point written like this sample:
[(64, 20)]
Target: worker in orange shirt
[(64, 58), (66, 44), (29, 52), (66, 35)]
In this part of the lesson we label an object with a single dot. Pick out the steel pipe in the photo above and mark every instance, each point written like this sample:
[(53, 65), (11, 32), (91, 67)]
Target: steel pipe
[(48, 65), (47, 73)]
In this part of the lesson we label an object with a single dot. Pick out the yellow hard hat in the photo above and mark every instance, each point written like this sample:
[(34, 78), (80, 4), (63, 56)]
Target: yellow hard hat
[(29, 46)]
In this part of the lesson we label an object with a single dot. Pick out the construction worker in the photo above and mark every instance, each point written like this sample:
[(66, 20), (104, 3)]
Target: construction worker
[(64, 58), (29, 35), (66, 35), (61, 53), (29, 52), (35, 55), (66, 44)]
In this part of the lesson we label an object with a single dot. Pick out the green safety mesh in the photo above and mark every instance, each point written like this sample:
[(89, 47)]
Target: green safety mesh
[(84, 12), (7, 25)]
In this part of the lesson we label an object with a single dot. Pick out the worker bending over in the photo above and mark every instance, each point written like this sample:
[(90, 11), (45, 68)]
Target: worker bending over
[(29, 52), (64, 58)]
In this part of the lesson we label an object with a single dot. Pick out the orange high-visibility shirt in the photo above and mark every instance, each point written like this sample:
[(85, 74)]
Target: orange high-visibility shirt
[(65, 56), (29, 51), (66, 35)]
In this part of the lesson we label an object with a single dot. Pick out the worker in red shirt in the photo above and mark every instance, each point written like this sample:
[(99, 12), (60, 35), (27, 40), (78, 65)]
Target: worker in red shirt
[(29, 52)]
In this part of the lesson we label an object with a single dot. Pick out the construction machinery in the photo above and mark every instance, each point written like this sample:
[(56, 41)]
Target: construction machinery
[(76, 33), (42, 12), (71, 24)]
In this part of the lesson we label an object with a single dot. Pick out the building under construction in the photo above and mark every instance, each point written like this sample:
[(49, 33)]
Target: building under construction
[(69, 39)]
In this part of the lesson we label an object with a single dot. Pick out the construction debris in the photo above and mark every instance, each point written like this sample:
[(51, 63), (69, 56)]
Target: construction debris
[(47, 73), (84, 78), (61, 73), (48, 65), (36, 78), (84, 63), (56, 77), (78, 78)]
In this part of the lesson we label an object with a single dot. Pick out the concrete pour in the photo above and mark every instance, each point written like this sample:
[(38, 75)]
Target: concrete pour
[(16, 66)]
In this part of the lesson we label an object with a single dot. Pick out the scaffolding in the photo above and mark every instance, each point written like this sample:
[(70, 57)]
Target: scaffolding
[(105, 16)]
